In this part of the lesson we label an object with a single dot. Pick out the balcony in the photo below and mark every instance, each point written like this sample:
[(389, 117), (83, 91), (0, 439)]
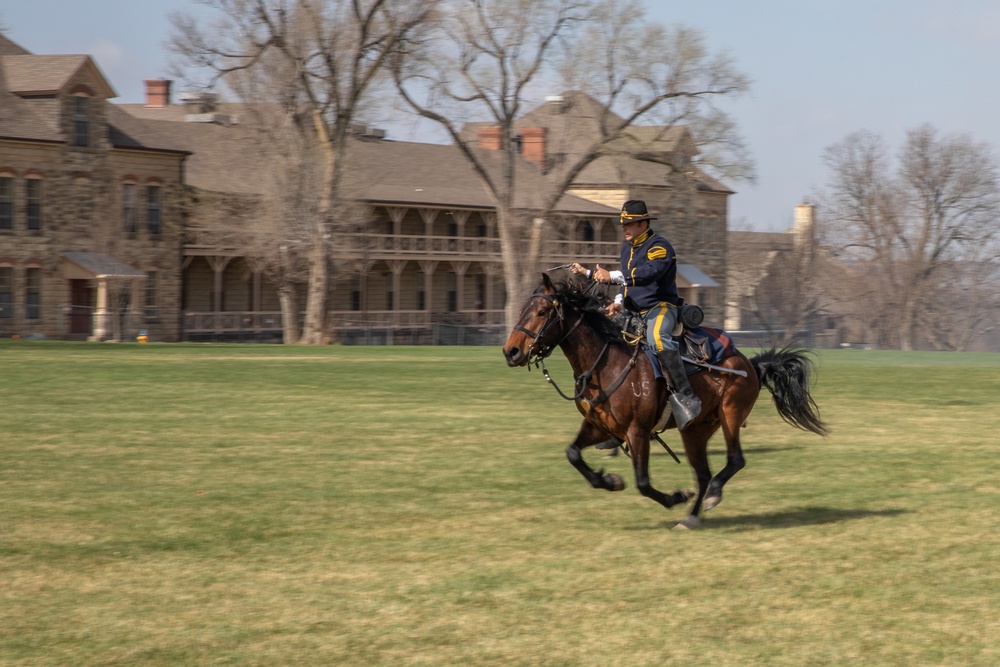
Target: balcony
[(470, 248)]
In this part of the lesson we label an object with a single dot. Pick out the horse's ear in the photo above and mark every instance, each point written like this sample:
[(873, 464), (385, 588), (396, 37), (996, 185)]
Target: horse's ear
[(547, 283)]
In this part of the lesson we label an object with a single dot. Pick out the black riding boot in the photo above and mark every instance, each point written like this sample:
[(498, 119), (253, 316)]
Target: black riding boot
[(684, 403)]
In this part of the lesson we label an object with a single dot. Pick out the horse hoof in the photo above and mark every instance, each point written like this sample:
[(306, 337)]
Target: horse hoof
[(711, 502), (690, 523), (614, 482)]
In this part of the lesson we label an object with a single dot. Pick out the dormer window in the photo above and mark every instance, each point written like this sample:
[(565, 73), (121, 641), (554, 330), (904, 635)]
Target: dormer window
[(81, 120)]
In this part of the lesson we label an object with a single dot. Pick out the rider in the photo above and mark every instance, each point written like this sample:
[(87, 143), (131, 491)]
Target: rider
[(649, 287)]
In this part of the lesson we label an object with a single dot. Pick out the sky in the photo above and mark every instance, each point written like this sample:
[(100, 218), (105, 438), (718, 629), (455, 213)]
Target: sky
[(819, 71)]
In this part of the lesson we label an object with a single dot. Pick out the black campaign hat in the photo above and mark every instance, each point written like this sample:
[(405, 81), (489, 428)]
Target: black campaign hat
[(634, 210)]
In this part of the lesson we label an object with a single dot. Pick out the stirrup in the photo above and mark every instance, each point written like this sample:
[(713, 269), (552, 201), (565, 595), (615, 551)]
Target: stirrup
[(684, 409)]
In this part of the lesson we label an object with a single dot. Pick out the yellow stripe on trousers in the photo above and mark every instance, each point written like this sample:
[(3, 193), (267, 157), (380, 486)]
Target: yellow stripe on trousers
[(657, 324)]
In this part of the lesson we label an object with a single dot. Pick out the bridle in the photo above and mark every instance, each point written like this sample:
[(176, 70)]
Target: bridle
[(537, 356), (538, 350)]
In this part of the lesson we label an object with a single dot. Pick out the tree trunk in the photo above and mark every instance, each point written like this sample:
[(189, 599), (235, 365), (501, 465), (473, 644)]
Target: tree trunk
[(313, 327), (521, 253), (289, 300)]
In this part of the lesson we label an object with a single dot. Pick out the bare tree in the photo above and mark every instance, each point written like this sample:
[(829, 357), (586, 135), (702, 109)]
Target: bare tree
[(911, 227), (967, 309), (322, 60), (493, 57)]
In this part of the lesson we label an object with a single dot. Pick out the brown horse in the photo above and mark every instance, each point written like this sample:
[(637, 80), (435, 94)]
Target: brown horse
[(619, 396)]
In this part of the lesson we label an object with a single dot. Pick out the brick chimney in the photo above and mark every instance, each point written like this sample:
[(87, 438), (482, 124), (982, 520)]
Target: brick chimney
[(533, 145), (489, 138), (158, 93)]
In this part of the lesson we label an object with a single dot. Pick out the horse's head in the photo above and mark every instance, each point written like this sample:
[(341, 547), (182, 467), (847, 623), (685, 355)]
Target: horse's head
[(539, 327)]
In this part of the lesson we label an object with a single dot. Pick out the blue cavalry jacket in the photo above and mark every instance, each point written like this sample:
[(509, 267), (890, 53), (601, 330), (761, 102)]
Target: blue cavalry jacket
[(649, 266)]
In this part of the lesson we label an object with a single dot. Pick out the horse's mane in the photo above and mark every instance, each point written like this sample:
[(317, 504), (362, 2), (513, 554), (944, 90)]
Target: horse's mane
[(592, 309)]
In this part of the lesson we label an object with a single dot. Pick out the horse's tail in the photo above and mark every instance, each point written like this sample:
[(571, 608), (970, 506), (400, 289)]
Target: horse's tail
[(785, 373)]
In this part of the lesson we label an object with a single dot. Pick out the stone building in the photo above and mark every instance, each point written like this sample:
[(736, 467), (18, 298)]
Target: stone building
[(420, 265), (90, 218), (784, 287), (652, 163), (137, 218)]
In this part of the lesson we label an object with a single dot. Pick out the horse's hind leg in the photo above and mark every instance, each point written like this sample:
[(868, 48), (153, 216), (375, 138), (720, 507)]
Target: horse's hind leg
[(587, 436), (731, 424)]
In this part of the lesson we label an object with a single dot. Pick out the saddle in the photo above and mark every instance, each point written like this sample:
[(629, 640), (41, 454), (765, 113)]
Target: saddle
[(695, 342)]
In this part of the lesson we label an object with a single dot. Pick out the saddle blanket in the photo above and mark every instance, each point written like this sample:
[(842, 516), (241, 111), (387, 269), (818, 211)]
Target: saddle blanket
[(702, 344)]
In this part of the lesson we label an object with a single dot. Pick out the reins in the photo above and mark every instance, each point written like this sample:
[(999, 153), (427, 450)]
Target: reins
[(579, 382)]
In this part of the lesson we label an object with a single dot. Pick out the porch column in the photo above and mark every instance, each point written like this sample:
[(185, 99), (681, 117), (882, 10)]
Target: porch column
[(460, 217), (492, 271), (218, 265), (397, 266), (396, 214), (135, 308), (258, 298), (429, 215), (460, 270), (428, 267), (101, 311), (366, 267)]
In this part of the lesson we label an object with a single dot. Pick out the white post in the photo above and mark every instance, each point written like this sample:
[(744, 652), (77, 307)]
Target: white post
[(100, 329)]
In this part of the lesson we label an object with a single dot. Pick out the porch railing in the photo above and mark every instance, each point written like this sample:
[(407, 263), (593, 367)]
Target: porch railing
[(485, 249), (349, 325)]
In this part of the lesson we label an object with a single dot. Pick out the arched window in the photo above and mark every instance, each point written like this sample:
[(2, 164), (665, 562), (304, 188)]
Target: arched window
[(154, 219), (33, 203), (152, 292), (6, 292), (81, 120), (6, 200), (33, 293), (130, 214)]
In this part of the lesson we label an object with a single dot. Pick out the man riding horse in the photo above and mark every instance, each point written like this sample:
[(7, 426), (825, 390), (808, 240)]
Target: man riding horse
[(649, 288)]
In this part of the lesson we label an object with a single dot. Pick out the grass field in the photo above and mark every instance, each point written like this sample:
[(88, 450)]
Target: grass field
[(268, 505)]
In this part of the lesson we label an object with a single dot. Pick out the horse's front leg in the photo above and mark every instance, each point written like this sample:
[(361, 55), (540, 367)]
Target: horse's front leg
[(587, 436), (695, 438), (638, 442)]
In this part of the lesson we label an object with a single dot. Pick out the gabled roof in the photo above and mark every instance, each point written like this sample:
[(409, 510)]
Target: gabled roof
[(10, 48), (231, 159), (126, 131), (30, 108), (641, 157), (30, 75), (694, 277), (434, 174), (21, 119), (101, 265)]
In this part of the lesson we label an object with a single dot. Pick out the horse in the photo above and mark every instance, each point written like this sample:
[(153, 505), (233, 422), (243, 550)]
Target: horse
[(618, 394)]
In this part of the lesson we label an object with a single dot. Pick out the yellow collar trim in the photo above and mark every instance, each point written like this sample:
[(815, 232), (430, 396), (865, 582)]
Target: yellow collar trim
[(642, 238)]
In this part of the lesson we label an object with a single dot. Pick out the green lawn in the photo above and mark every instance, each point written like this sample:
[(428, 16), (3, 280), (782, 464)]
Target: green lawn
[(270, 505)]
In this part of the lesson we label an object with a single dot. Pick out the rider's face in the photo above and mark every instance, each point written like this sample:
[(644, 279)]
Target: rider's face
[(633, 229)]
